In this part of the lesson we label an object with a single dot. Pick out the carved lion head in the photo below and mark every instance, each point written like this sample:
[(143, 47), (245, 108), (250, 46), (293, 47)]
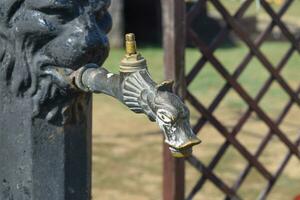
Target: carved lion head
[(41, 38)]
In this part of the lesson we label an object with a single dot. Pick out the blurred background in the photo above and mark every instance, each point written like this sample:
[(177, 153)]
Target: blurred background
[(127, 148)]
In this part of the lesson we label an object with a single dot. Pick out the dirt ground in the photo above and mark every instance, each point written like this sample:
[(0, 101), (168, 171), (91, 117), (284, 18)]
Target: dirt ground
[(127, 162), (127, 148)]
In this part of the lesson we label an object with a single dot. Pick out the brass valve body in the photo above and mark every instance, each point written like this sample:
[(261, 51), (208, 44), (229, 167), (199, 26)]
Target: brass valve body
[(132, 60)]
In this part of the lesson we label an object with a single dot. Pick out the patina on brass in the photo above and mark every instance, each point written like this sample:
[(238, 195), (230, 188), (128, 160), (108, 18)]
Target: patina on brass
[(132, 61), (135, 88), (130, 44)]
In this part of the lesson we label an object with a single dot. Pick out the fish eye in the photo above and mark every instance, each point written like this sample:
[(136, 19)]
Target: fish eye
[(164, 116)]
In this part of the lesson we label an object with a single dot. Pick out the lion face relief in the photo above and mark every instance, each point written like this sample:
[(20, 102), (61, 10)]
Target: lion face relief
[(40, 38)]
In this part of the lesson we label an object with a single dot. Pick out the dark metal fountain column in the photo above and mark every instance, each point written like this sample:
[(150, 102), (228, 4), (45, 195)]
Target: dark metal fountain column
[(45, 123), (51, 54), (40, 160)]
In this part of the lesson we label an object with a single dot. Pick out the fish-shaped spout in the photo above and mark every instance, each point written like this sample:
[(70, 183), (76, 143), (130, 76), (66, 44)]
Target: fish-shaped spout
[(136, 89)]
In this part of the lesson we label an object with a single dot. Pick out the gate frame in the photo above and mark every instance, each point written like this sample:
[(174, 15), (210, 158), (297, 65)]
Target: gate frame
[(176, 25)]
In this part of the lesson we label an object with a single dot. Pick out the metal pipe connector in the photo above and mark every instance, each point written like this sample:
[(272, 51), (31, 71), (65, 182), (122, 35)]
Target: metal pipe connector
[(136, 89), (130, 44), (133, 61)]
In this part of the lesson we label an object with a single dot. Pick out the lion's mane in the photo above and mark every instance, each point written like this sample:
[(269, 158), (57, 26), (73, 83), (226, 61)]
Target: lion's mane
[(23, 71)]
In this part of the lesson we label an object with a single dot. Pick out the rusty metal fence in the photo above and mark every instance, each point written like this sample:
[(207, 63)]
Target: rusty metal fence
[(173, 34)]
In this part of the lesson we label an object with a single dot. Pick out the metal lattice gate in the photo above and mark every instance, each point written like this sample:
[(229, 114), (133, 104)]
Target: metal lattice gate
[(174, 23)]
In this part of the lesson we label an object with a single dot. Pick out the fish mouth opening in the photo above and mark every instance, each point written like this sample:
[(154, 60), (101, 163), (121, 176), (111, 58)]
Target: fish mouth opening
[(180, 138), (181, 153), (184, 150)]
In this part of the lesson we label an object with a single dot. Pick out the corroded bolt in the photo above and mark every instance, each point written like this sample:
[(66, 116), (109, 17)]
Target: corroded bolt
[(130, 44), (132, 61)]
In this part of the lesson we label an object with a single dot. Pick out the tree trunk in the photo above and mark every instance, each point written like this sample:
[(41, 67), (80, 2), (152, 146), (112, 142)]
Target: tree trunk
[(117, 32)]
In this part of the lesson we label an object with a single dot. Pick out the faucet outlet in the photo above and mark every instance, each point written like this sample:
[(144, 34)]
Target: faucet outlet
[(135, 88)]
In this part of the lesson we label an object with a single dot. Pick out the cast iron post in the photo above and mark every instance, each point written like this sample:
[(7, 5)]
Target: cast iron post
[(51, 54), (45, 123)]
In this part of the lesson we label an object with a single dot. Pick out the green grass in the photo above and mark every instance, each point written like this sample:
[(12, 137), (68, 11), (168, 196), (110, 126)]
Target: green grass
[(127, 161), (255, 8), (209, 81)]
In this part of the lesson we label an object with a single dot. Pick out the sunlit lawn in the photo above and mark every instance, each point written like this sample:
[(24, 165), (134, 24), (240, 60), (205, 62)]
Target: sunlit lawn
[(127, 162)]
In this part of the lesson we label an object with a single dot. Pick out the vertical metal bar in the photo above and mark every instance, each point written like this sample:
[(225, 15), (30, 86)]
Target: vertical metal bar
[(40, 160), (173, 14)]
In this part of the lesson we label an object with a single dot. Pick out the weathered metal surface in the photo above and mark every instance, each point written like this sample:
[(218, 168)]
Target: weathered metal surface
[(45, 124), (45, 96), (135, 88)]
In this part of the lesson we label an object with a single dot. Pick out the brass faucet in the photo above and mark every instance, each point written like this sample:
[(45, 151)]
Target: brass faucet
[(133, 61), (135, 88)]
